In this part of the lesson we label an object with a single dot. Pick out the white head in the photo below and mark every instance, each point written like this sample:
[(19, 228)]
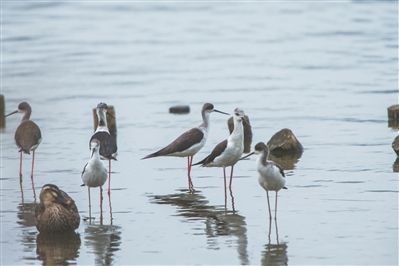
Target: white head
[(239, 115), (94, 146)]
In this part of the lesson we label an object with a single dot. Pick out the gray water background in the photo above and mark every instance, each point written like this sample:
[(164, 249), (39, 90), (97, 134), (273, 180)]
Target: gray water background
[(325, 70)]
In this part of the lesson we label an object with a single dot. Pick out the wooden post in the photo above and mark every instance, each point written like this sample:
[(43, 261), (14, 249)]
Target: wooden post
[(393, 116), (2, 108), (111, 122)]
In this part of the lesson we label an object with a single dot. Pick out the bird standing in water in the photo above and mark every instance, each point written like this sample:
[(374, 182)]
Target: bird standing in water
[(28, 135), (108, 147), (190, 142), (229, 151), (94, 173), (271, 174)]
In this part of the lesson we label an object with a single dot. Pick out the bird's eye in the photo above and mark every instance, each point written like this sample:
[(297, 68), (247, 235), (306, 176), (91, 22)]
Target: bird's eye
[(237, 114)]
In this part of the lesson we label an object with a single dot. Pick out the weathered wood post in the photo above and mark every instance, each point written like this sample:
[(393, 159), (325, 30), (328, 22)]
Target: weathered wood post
[(393, 116), (2, 108)]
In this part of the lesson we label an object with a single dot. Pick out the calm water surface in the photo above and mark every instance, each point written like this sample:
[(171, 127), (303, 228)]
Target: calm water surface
[(327, 71)]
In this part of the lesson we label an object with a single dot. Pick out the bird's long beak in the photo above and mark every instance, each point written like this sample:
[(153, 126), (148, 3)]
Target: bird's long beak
[(110, 115), (92, 152), (12, 113), (220, 112), (243, 158)]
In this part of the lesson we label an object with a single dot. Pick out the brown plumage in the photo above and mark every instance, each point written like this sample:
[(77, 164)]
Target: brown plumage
[(28, 135), (57, 212)]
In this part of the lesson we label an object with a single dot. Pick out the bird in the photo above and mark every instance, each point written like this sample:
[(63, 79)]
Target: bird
[(229, 151), (271, 174), (94, 172), (28, 135), (108, 147), (57, 212), (190, 142)]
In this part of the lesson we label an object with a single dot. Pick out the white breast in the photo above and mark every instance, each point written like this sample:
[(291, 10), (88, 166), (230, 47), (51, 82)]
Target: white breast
[(95, 174)]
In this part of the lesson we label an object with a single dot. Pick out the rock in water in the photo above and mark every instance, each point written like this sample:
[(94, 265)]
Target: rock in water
[(179, 109), (395, 145), (284, 141)]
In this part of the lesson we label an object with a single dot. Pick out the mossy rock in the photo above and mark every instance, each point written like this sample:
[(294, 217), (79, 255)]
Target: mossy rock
[(395, 145), (284, 141)]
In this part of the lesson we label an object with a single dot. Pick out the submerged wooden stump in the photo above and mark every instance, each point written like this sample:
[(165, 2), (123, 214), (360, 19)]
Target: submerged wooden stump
[(247, 133), (2, 108), (395, 145), (111, 122), (179, 109), (284, 141), (393, 116)]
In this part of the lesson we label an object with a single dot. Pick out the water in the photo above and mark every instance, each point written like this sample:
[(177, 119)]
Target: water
[(327, 71)]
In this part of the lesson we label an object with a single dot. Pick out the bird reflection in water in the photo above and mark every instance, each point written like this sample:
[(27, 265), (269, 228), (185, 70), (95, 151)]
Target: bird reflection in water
[(61, 249), (26, 214), (396, 165), (22, 190), (101, 219), (218, 222), (287, 160), (104, 241), (274, 254), (231, 197)]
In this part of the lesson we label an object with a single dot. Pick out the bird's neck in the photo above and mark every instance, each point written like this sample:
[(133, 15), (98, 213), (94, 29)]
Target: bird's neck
[(238, 128), (26, 116), (262, 158), (95, 157), (102, 121), (205, 122)]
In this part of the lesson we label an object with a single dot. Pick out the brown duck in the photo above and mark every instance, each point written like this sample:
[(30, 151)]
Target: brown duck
[(57, 212)]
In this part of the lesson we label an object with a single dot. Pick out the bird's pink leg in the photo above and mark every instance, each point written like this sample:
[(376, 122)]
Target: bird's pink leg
[(101, 205), (190, 182), (88, 190), (225, 191), (33, 161), (109, 177), (110, 209), (268, 204), (231, 176), (275, 210), (20, 165)]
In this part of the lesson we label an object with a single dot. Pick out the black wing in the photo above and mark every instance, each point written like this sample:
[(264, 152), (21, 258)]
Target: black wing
[(185, 141), (215, 153), (107, 144)]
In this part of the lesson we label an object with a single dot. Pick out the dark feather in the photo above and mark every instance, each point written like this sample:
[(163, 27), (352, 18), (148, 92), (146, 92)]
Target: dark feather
[(27, 135), (84, 168), (279, 168), (182, 143), (107, 144), (215, 153)]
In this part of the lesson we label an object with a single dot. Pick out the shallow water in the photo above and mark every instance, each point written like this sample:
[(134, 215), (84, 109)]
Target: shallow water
[(327, 71)]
